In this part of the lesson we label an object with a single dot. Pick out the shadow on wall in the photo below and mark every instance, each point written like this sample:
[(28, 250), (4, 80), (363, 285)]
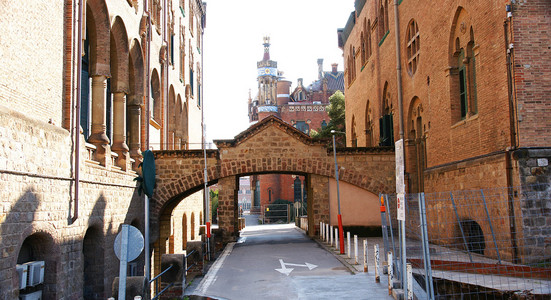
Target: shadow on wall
[(24, 243)]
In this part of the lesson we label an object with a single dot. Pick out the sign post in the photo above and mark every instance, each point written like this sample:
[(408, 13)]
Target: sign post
[(401, 204), (129, 243)]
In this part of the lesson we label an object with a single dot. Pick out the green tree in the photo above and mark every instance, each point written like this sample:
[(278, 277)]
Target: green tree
[(335, 110)]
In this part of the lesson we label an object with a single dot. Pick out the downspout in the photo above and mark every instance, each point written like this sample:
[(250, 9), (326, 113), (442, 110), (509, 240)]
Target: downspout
[(147, 251), (77, 110), (401, 128), (399, 72), (203, 136), (166, 90), (513, 139), (147, 73)]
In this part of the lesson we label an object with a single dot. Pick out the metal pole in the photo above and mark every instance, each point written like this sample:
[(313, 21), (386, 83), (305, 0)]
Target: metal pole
[(147, 254), (301, 197), (404, 263), (383, 224), (491, 227), (390, 224), (423, 212), (338, 195), (123, 262), (461, 228), (205, 193)]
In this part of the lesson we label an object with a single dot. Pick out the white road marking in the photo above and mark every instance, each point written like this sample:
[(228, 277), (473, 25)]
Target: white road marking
[(287, 271), (241, 240), (210, 278)]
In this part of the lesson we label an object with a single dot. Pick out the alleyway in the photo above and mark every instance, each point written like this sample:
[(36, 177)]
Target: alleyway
[(281, 262)]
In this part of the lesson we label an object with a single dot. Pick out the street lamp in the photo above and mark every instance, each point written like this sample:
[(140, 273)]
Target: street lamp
[(341, 234)]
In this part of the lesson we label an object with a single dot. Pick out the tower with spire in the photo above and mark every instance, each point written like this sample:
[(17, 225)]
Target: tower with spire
[(267, 81)]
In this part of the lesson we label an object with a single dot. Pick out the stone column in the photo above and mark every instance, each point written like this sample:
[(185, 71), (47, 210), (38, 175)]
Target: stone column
[(98, 136), (119, 130), (134, 133), (317, 201), (227, 208)]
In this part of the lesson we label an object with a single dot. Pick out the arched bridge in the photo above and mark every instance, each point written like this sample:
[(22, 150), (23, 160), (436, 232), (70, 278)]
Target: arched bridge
[(269, 146)]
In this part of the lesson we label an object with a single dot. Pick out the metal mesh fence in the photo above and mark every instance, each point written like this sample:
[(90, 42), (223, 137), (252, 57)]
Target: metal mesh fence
[(478, 244)]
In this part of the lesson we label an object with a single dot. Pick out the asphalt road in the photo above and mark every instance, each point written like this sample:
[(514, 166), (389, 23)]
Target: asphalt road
[(281, 262)]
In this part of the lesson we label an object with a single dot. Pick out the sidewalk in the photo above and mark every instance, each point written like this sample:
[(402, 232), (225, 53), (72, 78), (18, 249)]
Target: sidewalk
[(377, 290)]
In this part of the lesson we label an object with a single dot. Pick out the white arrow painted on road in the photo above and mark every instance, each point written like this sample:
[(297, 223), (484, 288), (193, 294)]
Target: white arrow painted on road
[(287, 271)]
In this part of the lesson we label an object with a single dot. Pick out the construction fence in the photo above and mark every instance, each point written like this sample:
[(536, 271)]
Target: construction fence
[(477, 244)]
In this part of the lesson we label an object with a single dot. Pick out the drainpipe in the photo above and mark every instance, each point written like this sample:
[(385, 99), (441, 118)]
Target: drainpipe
[(399, 71), (147, 255), (401, 117), (147, 73), (203, 136), (167, 65), (77, 110), (513, 137)]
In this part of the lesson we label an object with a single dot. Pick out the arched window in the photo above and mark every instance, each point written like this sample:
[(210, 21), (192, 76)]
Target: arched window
[(182, 55), (386, 123), (368, 126), (155, 102), (462, 74), (192, 227), (412, 47), (417, 143), (363, 46), (368, 38), (383, 19), (85, 90), (184, 232), (354, 137)]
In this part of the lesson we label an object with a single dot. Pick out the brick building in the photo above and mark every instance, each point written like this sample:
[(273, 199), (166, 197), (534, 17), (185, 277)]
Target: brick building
[(304, 108), (472, 91), (80, 99)]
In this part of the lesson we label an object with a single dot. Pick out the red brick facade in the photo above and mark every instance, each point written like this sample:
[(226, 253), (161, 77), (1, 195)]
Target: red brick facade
[(475, 82)]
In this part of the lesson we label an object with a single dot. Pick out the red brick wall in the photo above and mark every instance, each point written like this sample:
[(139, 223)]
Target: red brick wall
[(447, 140), (531, 26)]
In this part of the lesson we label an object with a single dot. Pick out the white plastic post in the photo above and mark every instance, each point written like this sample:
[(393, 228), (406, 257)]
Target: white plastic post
[(390, 272), (376, 253), (331, 240), (365, 256), (348, 243), (326, 233), (355, 249), (321, 230), (336, 238), (410, 282)]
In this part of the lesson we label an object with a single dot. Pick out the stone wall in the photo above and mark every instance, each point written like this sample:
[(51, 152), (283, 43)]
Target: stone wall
[(535, 204), (38, 202)]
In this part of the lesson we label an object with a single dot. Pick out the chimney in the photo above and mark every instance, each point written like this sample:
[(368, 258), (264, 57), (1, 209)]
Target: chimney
[(334, 68), (320, 68), (300, 82)]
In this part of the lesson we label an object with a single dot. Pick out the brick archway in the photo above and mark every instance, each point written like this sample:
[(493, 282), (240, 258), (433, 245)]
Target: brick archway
[(270, 146)]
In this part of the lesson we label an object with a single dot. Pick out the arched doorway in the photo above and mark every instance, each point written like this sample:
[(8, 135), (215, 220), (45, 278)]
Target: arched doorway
[(38, 251), (93, 264)]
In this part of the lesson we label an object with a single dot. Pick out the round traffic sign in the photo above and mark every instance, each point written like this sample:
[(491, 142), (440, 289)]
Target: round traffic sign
[(135, 243)]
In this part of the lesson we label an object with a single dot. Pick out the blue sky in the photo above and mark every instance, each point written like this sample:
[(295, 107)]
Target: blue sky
[(301, 31)]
